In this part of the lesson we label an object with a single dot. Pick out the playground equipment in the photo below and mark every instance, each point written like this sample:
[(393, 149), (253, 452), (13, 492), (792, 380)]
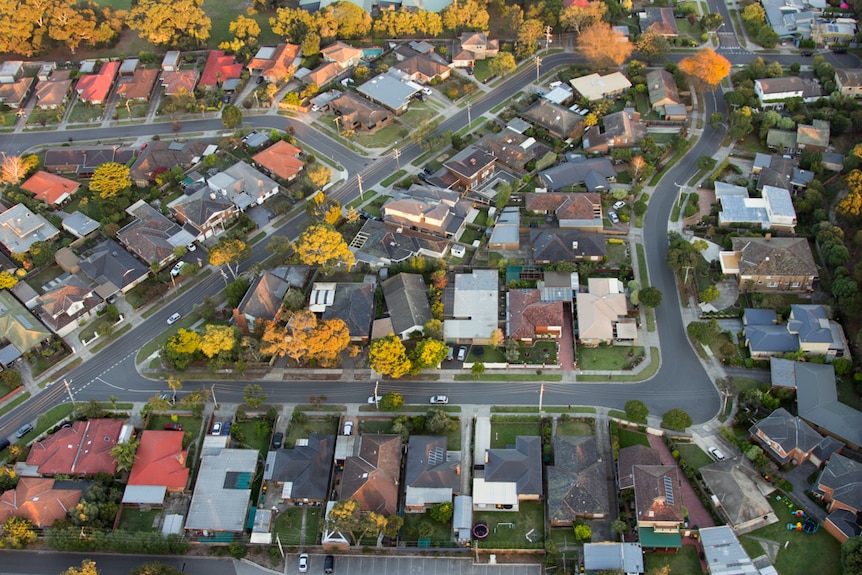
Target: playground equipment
[(794, 526), (810, 526), (480, 530)]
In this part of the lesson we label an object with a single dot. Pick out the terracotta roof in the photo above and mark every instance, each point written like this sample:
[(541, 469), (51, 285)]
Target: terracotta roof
[(340, 52), (280, 159), (82, 449), (50, 188), (279, 66), (140, 86), (94, 88), (161, 460), (566, 206), (178, 80), (52, 93), (36, 499), (323, 74), (61, 298), (657, 498), (371, 476), (659, 19), (774, 257), (220, 67), (527, 314)]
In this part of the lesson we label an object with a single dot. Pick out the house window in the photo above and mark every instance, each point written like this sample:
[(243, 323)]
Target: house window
[(795, 284), (772, 284)]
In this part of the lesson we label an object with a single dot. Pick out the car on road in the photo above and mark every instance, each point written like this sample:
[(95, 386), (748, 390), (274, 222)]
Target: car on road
[(173, 427), (613, 217), (839, 50), (373, 399), (167, 396), (23, 430), (716, 452), (174, 318), (618, 205), (462, 353), (329, 564), (806, 54), (277, 440), (440, 399), (348, 428), (303, 563), (216, 430), (175, 271)]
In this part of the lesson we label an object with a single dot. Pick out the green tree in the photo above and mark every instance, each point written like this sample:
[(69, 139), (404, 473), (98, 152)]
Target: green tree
[(391, 401), (393, 526), (636, 410), (344, 517), (619, 527), (502, 64), (851, 556), (126, 454), (709, 294), (18, 532), (388, 356), (235, 291), (477, 369), (442, 512), (231, 117), (438, 421), (253, 395), (110, 179), (42, 253), (676, 419), (583, 532), (650, 296)]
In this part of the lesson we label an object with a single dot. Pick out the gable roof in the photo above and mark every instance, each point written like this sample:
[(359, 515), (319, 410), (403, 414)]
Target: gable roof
[(406, 297), (140, 86), (109, 263), (659, 19), (50, 188), (85, 159), (161, 460), (579, 171), (526, 313), (340, 52), (323, 74), (735, 484), (304, 469), (662, 87), (36, 499), (353, 304), (19, 325), (844, 477), (176, 80), (220, 67), (816, 134), (658, 496), (427, 465), (263, 299), (774, 257), (557, 245), (577, 485), (521, 465), (371, 475), (810, 323), (788, 432), (278, 66), (280, 159), (631, 456), (82, 449), (358, 109), (151, 235), (555, 118), (423, 64), (94, 88)]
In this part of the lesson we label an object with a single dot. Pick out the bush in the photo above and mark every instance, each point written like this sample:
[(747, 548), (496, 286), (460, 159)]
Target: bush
[(676, 419), (238, 550)]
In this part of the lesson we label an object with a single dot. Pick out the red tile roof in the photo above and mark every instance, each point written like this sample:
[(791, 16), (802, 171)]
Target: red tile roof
[(82, 449), (280, 159), (219, 67), (529, 317), (50, 188), (36, 499), (94, 88), (161, 460), (279, 67), (140, 86)]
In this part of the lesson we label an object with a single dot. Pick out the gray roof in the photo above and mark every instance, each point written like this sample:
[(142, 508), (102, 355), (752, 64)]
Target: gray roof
[(521, 465), (221, 498), (294, 275), (80, 224), (724, 553), (354, 304), (110, 263), (407, 299), (754, 316), (427, 465), (847, 522), (470, 304), (382, 243), (770, 339), (507, 228), (810, 322), (305, 467), (577, 172), (844, 477), (735, 483), (625, 557), (389, 90), (556, 245), (20, 228), (774, 257), (788, 431), (577, 484), (263, 299)]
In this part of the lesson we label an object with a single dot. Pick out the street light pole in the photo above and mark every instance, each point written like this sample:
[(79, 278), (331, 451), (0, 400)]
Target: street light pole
[(215, 401), (69, 391), (359, 181), (469, 117), (541, 396), (397, 154), (538, 65), (376, 385)]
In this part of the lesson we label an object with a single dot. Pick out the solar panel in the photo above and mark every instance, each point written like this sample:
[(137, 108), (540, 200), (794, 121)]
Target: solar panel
[(668, 490), (436, 456)]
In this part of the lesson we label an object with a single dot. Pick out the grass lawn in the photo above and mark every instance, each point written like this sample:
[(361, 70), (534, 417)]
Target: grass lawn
[(803, 551), (191, 425), (440, 537), (616, 254), (745, 383), (530, 518), (504, 433), (485, 354), (48, 420), (288, 526), (43, 276), (381, 138), (693, 455), (418, 112), (157, 342), (629, 438), (481, 71), (612, 358), (250, 437), (539, 352), (470, 235), (84, 113), (574, 428), (136, 520), (321, 425), (685, 561), (375, 425)]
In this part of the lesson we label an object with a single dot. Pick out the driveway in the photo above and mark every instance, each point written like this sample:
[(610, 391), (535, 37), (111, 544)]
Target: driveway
[(697, 513), (798, 477)]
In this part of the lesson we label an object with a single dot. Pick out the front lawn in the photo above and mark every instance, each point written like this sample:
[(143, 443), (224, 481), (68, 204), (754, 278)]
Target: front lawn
[(191, 425), (251, 436), (685, 561), (509, 529), (288, 525), (503, 434), (693, 455), (613, 358), (440, 532), (134, 519), (381, 137), (629, 438), (485, 354), (574, 428), (320, 425)]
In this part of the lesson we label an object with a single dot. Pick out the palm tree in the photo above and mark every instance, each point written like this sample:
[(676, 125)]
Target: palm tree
[(125, 454)]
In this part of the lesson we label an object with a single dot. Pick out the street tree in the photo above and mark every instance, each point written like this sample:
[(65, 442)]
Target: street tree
[(652, 46), (18, 532), (477, 369), (125, 453), (439, 421), (110, 179), (650, 296), (170, 23), (428, 353), (175, 384), (231, 117), (326, 342), (321, 244), (636, 410), (228, 253), (676, 419), (180, 349), (14, 168), (344, 517), (217, 339), (278, 245), (324, 208), (502, 64), (711, 21), (88, 567), (318, 175), (604, 46), (391, 401), (253, 395), (706, 69), (387, 356)]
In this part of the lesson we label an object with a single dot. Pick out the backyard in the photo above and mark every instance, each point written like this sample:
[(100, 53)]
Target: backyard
[(439, 534), (581, 428), (253, 434), (522, 529), (685, 561), (612, 358), (629, 438)]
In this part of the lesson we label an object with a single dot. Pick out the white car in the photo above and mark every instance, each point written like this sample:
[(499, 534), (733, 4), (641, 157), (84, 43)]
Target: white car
[(440, 399), (613, 217), (618, 205), (174, 317), (348, 428), (716, 452), (462, 353), (373, 399), (427, 91), (216, 430), (191, 247), (175, 271), (303, 563)]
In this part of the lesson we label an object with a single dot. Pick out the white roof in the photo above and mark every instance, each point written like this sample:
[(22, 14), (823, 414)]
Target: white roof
[(145, 494), (724, 554), (173, 524), (595, 87), (322, 296), (482, 439), (490, 494), (475, 306), (558, 95), (221, 498)]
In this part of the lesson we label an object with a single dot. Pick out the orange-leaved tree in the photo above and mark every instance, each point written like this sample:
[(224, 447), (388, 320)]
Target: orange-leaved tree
[(706, 69), (603, 46)]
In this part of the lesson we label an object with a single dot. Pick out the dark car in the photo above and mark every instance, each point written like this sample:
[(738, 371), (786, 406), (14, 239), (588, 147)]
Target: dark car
[(428, 170), (259, 80), (277, 440), (839, 50), (807, 54), (173, 427), (423, 176), (329, 564)]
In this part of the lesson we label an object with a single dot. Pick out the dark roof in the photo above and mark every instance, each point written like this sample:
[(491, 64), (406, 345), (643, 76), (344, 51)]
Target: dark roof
[(774, 257), (198, 207), (810, 323), (521, 465), (427, 465), (770, 339), (583, 208), (110, 263), (163, 154), (577, 485), (407, 299), (651, 491), (149, 235), (511, 148), (777, 174), (358, 109), (847, 522), (620, 129), (556, 245), (423, 64), (788, 431), (554, 118), (660, 19), (371, 476), (634, 455), (294, 275), (844, 477), (263, 299), (87, 158), (754, 316), (306, 467), (379, 240), (576, 172), (469, 162), (354, 304)]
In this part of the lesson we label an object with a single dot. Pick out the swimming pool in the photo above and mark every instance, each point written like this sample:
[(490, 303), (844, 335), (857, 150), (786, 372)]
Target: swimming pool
[(371, 52)]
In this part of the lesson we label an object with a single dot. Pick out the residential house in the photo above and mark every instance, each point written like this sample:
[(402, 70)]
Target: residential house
[(625, 558), (595, 87), (788, 439), (222, 492), (20, 229), (442, 214), (764, 337), (817, 334), (849, 82), (301, 473), (782, 140), (512, 149), (593, 173), (780, 172), (281, 160), (432, 474), (558, 286), (53, 92), (151, 236), (171, 61), (790, 18), (581, 210), (814, 136), (472, 167), (345, 55), (356, 113), (774, 92), (737, 485), (160, 468), (663, 94), (40, 500), (602, 313), (80, 225), (179, 82), (658, 506), (423, 68), (203, 212), (561, 245), (833, 161), (243, 185), (529, 318), (323, 74), (774, 210), (631, 457), (620, 130), (140, 87), (392, 90), (50, 188), (660, 20), (835, 31), (470, 302), (275, 64), (67, 305), (20, 331), (724, 553), (15, 94), (474, 46), (262, 301), (577, 484), (559, 121), (381, 244), (83, 161), (112, 268), (406, 297), (371, 474), (84, 448), (162, 155), (354, 304), (11, 71), (94, 88), (220, 68), (770, 264), (840, 486), (506, 235), (510, 476)]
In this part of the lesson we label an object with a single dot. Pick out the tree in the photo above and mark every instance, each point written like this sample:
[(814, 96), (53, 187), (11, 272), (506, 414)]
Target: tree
[(14, 168), (676, 419), (231, 117), (391, 401), (711, 21), (501, 64), (636, 410), (851, 556), (583, 532), (155, 568), (603, 46), (529, 33), (245, 31), (440, 422), (709, 294), (228, 253), (310, 44), (181, 348), (393, 526), (741, 123), (42, 253), (278, 245), (352, 216), (18, 532), (217, 339), (87, 567), (619, 527), (578, 16), (442, 512), (636, 167), (477, 369), (235, 291), (7, 280), (318, 175), (650, 296), (652, 46), (465, 15), (253, 395), (344, 516), (324, 209), (110, 179), (321, 244), (706, 68), (387, 356), (428, 353), (125, 454), (170, 23)]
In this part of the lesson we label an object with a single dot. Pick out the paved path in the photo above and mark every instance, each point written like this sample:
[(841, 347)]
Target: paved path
[(697, 513)]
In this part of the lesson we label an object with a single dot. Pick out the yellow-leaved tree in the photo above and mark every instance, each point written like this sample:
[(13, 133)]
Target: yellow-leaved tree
[(604, 46), (218, 338), (387, 356), (706, 68), (229, 253), (321, 244), (170, 22), (110, 179), (428, 353)]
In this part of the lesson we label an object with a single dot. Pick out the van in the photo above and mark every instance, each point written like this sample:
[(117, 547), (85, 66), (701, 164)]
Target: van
[(4, 443), (716, 452)]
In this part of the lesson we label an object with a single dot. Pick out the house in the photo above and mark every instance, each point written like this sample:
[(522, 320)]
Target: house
[(602, 313), (301, 473), (15, 94), (113, 269), (243, 185), (275, 64), (424, 68), (11, 71), (774, 92), (814, 136), (392, 90), (203, 211), (771, 264), (835, 31), (779, 171), (83, 161), (774, 210), (179, 82), (626, 558), (558, 120), (50, 188), (629, 458), (80, 225), (474, 46), (660, 20), (511, 475), (53, 92), (581, 210), (577, 484), (20, 331), (593, 173), (371, 474), (162, 155), (20, 229), (738, 488), (560, 245), (790, 18), (782, 140), (438, 212), (220, 67), (840, 486), (662, 90), (724, 553), (833, 161), (262, 301), (620, 130), (381, 244), (67, 305), (559, 95), (595, 87), (40, 500), (407, 296), (529, 318), (354, 305), (281, 160), (160, 468), (140, 86), (817, 333), (323, 74), (94, 88), (788, 439), (470, 303), (345, 55), (84, 448), (356, 113), (512, 149), (764, 337), (171, 61), (558, 286), (472, 167), (151, 236), (658, 506), (222, 492), (432, 474), (849, 82), (506, 235)]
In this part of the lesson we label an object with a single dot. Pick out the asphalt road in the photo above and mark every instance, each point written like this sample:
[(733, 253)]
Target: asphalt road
[(52, 562)]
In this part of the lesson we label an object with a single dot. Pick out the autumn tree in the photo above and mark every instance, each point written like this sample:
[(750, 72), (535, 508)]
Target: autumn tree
[(466, 15), (706, 69), (293, 23), (603, 46), (7, 280), (88, 567), (428, 353), (652, 46), (352, 216), (577, 16), (110, 179), (231, 117), (321, 244), (180, 349), (311, 43), (170, 23), (326, 342), (245, 32), (344, 517), (228, 253), (324, 208), (318, 175), (501, 64), (387, 356), (217, 339), (14, 168), (18, 532), (529, 33), (343, 19), (73, 24), (370, 522), (155, 568)]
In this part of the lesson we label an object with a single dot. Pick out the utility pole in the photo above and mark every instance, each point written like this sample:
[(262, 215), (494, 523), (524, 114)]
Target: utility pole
[(359, 181), (547, 37), (397, 154), (376, 384), (469, 117), (538, 65), (215, 401), (69, 391), (541, 396)]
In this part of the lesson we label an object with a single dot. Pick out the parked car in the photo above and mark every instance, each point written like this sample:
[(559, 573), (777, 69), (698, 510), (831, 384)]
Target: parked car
[(174, 318), (427, 91), (618, 205), (303, 563), (613, 217), (440, 399), (225, 430), (277, 440), (23, 430), (348, 428), (173, 427), (191, 247), (375, 399), (462, 353), (216, 430), (167, 396), (259, 80), (807, 54), (329, 564), (451, 355), (175, 271), (716, 452)]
